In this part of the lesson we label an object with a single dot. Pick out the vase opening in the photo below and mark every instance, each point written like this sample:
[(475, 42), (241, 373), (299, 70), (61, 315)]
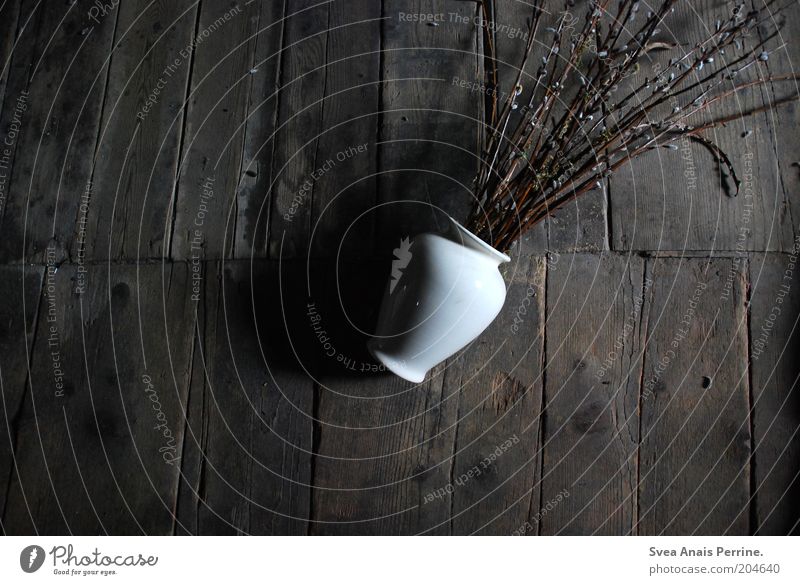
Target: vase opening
[(463, 236)]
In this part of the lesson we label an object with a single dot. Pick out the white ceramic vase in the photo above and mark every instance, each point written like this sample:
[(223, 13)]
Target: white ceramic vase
[(444, 290)]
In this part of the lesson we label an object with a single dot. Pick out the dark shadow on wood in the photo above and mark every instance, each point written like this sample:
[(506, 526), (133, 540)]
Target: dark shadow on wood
[(315, 319)]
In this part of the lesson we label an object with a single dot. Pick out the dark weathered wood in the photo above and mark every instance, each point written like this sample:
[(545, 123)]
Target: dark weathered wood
[(381, 444), (374, 478), (61, 64), (429, 126), (677, 199), (497, 381), (11, 114), (694, 458), (594, 360), (247, 455), (274, 434), (223, 71), (777, 172), (139, 144), (774, 371), (20, 287), (253, 205), (9, 17), (298, 125), (342, 199), (99, 434)]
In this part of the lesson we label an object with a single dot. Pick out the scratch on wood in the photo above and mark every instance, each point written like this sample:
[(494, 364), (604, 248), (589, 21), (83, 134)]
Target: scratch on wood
[(506, 390)]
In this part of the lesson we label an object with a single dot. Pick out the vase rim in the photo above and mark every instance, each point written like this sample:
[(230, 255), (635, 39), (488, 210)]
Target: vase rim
[(479, 243)]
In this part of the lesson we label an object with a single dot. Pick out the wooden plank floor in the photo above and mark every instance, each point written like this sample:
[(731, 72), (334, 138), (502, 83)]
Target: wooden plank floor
[(198, 203)]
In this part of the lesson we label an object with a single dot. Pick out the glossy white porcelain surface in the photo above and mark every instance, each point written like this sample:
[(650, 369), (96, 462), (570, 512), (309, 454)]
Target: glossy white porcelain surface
[(443, 292)]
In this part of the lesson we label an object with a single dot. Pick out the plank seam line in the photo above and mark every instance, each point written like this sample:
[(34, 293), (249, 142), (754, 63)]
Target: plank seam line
[(114, 43), (455, 438), (637, 510), (253, 55), (279, 97), (147, 261), (18, 413), (201, 492), (380, 120), (316, 391), (321, 124), (609, 223), (316, 440), (542, 403), (168, 251), (186, 427), (752, 480)]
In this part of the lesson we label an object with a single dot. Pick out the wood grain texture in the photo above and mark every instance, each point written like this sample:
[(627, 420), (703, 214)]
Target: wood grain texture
[(774, 312), (624, 391), (223, 73), (694, 459), (246, 467), (9, 25), (298, 126), (18, 51), (253, 200), (133, 179), (595, 308), (9, 17), (55, 88), (99, 433), (777, 141), (382, 445), (381, 477), (497, 381), (342, 199), (429, 127), (20, 289)]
